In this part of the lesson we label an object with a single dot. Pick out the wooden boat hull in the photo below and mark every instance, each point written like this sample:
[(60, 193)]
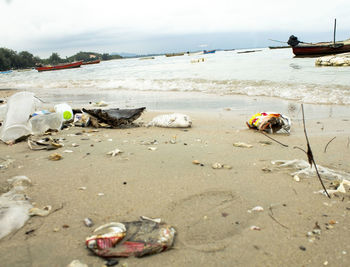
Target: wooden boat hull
[(317, 50), (60, 67), (91, 62)]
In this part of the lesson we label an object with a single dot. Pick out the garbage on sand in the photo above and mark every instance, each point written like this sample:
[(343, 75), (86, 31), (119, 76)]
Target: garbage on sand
[(136, 238), (47, 143), (14, 206), (303, 169), (114, 117), (269, 122), (175, 120)]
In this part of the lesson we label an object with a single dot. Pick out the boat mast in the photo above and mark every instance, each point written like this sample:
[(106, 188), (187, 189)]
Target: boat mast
[(335, 27)]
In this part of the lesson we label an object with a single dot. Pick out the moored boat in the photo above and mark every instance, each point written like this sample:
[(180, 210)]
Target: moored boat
[(317, 49), (71, 65), (174, 54), (209, 51), (91, 62)]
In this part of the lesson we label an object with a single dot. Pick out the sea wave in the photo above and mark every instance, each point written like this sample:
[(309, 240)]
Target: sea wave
[(302, 92)]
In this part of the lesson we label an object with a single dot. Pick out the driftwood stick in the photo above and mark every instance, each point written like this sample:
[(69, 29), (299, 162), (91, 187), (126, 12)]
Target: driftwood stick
[(273, 139), (325, 148), (310, 155)]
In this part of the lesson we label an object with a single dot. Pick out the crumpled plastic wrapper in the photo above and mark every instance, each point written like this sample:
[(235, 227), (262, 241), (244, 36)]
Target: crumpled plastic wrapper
[(136, 238)]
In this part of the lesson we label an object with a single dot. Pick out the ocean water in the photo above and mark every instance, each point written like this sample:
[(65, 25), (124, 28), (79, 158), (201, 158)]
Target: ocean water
[(165, 82)]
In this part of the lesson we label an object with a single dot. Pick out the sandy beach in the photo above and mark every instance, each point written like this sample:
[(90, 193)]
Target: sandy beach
[(211, 209)]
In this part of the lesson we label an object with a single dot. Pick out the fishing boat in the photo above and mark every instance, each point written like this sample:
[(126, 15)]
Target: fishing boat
[(71, 65), (318, 49), (91, 62), (174, 54), (209, 51)]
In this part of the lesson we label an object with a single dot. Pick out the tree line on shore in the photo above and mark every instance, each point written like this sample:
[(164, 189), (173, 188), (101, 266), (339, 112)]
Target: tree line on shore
[(10, 59)]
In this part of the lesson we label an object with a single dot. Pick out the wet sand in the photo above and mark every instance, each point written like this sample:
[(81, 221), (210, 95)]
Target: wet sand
[(208, 207)]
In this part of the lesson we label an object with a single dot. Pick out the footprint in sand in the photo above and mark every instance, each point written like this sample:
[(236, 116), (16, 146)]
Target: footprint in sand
[(207, 221)]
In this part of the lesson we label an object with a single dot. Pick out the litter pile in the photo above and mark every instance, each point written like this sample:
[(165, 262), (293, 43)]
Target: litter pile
[(23, 116)]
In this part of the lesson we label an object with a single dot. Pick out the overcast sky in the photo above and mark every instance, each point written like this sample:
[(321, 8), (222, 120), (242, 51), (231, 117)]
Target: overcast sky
[(157, 26)]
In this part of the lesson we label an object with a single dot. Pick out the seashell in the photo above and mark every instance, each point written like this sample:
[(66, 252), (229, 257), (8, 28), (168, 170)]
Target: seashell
[(55, 157), (257, 208), (228, 167), (152, 148), (217, 165), (40, 212), (196, 162)]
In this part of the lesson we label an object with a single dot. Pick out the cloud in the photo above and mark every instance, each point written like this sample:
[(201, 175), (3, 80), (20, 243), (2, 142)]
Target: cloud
[(60, 24)]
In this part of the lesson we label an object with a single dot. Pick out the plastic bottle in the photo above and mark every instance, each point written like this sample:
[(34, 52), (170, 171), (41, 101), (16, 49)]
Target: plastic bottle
[(41, 123), (65, 111), (19, 107)]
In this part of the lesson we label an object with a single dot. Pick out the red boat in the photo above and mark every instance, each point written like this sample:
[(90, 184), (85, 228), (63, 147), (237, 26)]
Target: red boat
[(91, 62), (71, 65), (317, 49)]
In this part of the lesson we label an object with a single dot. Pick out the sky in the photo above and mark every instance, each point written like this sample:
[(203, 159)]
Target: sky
[(66, 27)]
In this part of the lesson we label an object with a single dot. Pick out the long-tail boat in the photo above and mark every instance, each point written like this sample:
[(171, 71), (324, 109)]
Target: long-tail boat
[(71, 65)]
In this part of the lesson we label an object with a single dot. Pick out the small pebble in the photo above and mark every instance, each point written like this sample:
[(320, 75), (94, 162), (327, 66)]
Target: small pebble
[(302, 248)]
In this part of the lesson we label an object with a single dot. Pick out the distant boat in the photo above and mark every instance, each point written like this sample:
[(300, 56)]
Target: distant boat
[(248, 51), (174, 54), (209, 51), (71, 65), (91, 62), (5, 72), (145, 58)]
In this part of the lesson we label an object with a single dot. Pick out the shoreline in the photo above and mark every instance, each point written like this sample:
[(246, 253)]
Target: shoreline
[(157, 101)]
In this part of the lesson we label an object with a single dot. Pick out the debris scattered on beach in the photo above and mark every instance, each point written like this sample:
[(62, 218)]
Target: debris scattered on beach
[(136, 238), (152, 148), (114, 117), (218, 165), (257, 208), (114, 152), (254, 227), (14, 205), (269, 122), (55, 157), (241, 144), (303, 169), (40, 212), (47, 143), (6, 163), (88, 222), (175, 120), (77, 263)]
